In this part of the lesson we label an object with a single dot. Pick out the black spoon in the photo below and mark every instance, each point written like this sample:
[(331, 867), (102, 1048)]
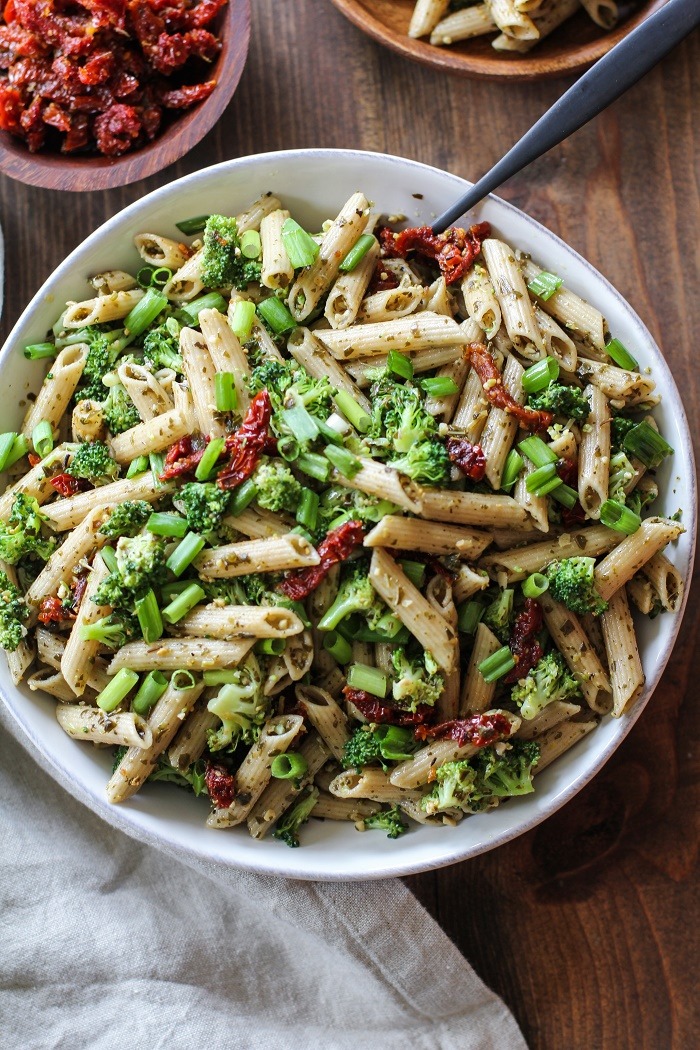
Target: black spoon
[(610, 77)]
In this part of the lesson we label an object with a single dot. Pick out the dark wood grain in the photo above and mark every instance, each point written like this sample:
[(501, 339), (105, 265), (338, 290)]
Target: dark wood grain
[(588, 926)]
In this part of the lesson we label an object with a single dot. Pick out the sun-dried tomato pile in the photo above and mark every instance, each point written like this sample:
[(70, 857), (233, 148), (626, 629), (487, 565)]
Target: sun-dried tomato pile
[(100, 74)]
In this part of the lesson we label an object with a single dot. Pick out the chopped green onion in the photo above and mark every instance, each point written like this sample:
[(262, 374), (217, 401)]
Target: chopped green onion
[(329, 435), (314, 465), (399, 364), (307, 511), (299, 245), (540, 375), (415, 570), (302, 425), (35, 351), (137, 466), (242, 319), (145, 276), (182, 680), (113, 694), (170, 590), (543, 480), (354, 413), (646, 444), (357, 253), (616, 516), (242, 497), (225, 395), (208, 301), (289, 766), (109, 557), (369, 679), (150, 620), (621, 355), (535, 585), (276, 314), (144, 313), (469, 616), (398, 742), (160, 277), (251, 245), (511, 470), (210, 458), (537, 451), (156, 462), (190, 226), (288, 448), (496, 665), (439, 386), (149, 693), (343, 460), (565, 495), (42, 438), (271, 646), (185, 553), (363, 633), (20, 447), (220, 677), (299, 530), (339, 648), (545, 285), (163, 524), (6, 443)]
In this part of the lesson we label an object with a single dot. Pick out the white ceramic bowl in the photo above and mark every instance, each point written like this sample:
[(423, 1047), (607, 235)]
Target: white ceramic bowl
[(313, 183)]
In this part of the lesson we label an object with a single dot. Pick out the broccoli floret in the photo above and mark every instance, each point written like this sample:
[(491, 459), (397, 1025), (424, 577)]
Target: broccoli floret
[(287, 828), (399, 418), (140, 566), (13, 613), (378, 743), (161, 346), (93, 462), (571, 582), (241, 707), (426, 462), (99, 361), (119, 410), (230, 592), (277, 488), (289, 386), (126, 519), (621, 472), (549, 680), (417, 680), (112, 631), (192, 777), (223, 264), (499, 614), (620, 427), (568, 401), (508, 772), (389, 820), (205, 505), (21, 535), (355, 595), (455, 787)]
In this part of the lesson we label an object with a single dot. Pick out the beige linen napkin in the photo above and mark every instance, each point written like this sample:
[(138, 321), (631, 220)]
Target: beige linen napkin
[(110, 944)]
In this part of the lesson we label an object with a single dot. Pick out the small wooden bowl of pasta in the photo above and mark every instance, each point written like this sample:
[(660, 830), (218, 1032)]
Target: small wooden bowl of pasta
[(500, 39), (298, 515)]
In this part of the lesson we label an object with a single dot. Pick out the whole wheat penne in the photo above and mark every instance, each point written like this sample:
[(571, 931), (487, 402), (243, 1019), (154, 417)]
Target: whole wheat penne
[(112, 281), (269, 555), (554, 713), (46, 680), (57, 389), (186, 283), (536, 506), (571, 640), (547, 17), (480, 296), (280, 794), (472, 408), (145, 391), (626, 671), (642, 594), (174, 654), (383, 481), (620, 385), (463, 25), (426, 15), (406, 334), (298, 654), (200, 372), (121, 728), (438, 300), (369, 783), (64, 560), (625, 560), (161, 251), (227, 354), (501, 427), (432, 537), (88, 421), (50, 648), (439, 595), (277, 271), (257, 523), (594, 455), (69, 512), (345, 299), (79, 655), (154, 435), (251, 218), (471, 508), (557, 343), (574, 313), (191, 741), (468, 582), (313, 356), (103, 308), (363, 368), (666, 581), (603, 12), (328, 807), (511, 291), (520, 563), (240, 621), (442, 406), (388, 305), (511, 21), (559, 739), (477, 694)]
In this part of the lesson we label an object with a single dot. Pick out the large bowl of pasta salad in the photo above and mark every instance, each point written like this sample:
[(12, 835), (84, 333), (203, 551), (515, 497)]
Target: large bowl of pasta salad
[(316, 523)]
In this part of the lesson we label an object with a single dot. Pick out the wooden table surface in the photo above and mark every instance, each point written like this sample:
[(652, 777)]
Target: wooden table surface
[(587, 926)]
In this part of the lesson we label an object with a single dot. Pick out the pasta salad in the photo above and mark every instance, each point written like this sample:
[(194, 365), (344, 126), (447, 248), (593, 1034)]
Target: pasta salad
[(340, 524)]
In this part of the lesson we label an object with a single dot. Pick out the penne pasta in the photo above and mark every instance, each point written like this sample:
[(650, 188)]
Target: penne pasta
[(270, 555), (429, 536), (121, 729), (174, 654)]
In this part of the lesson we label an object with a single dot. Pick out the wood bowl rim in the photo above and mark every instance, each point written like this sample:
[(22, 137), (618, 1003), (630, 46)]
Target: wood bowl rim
[(56, 171)]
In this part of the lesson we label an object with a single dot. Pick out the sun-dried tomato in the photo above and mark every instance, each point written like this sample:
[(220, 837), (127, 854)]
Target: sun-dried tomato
[(183, 458), (375, 710), (33, 459), (67, 485), (567, 469), (382, 280), (478, 730), (469, 458), (51, 611), (221, 785), (249, 443), (492, 382), (454, 250), (335, 548), (526, 649)]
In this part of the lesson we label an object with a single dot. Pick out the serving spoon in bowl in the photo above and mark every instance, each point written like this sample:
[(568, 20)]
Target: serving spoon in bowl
[(609, 78)]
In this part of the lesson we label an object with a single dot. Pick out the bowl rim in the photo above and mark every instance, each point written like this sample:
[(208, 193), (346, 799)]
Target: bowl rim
[(286, 868), (80, 172)]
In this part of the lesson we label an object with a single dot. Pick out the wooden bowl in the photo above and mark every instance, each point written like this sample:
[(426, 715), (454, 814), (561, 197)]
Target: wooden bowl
[(83, 172), (570, 49)]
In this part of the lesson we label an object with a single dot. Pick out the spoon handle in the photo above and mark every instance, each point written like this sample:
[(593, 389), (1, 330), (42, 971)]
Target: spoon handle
[(610, 77)]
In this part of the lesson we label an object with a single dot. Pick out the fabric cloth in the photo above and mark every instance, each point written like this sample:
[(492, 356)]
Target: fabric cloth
[(109, 944)]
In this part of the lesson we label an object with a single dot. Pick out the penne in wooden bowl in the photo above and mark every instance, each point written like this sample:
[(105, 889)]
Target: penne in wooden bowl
[(450, 565)]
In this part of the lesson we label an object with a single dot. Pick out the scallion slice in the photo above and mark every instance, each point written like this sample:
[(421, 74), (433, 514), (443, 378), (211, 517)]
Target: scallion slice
[(415, 570), (511, 470), (165, 524), (545, 284), (144, 313), (369, 679), (357, 253), (353, 412), (150, 620), (137, 466), (565, 495), (242, 497), (276, 315), (194, 225), (339, 647), (439, 386), (616, 516), (121, 685), (543, 480), (288, 766), (6, 443), (149, 693), (242, 319), (314, 465), (537, 451), (209, 301), (35, 351), (109, 557), (251, 245), (469, 616), (399, 364), (185, 553), (42, 438), (343, 460), (301, 423), (647, 445), (497, 665), (621, 355), (20, 447), (535, 585), (307, 511), (225, 394), (208, 462), (300, 246), (540, 375), (271, 646)]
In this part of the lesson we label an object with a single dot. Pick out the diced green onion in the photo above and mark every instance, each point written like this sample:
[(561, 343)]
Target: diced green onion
[(109, 557), (276, 314), (288, 766), (415, 570), (343, 460), (369, 679), (354, 413), (288, 448), (339, 648), (646, 444), (170, 590), (314, 465), (182, 680), (120, 686), (194, 225), (225, 394), (222, 677), (540, 375), (35, 351), (251, 245), (565, 495), (543, 480), (156, 461), (301, 423), (329, 435), (160, 277), (545, 284), (6, 443), (299, 245), (242, 319), (363, 633), (497, 665), (137, 466), (150, 620), (42, 438), (307, 511), (535, 585), (399, 364), (20, 447), (299, 530), (242, 497), (439, 386), (144, 313), (163, 524), (358, 251), (271, 646), (537, 451), (616, 516), (210, 458), (511, 470), (208, 301), (469, 616), (621, 355), (185, 553), (145, 276), (149, 693)]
